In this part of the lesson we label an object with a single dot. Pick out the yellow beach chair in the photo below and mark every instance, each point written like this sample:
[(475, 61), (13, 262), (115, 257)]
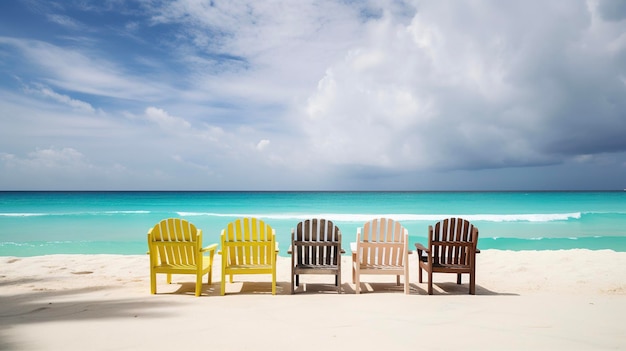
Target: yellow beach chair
[(248, 247), (175, 247)]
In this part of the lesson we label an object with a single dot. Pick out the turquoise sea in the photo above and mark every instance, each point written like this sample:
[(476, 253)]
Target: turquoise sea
[(41, 223)]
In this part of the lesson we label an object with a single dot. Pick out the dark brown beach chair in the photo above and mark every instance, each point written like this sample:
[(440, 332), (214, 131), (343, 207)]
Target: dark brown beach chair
[(451, 249), (315, 249)]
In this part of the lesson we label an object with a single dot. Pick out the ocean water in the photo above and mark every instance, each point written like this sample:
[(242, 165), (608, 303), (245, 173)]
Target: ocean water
[(41, 223)]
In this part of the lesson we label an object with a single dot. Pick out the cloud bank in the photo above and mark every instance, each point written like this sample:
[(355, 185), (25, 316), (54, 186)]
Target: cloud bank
[(314, 95)]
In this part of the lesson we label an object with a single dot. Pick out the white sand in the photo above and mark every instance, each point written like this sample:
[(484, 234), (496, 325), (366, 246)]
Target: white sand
[(547, 300)]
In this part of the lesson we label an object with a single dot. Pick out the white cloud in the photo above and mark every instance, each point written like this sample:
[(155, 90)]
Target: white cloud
[(84, 72), (48, 158), (64, 99), (164, 120), (64, 21), (262, 145), (63, 168), (459, 88)]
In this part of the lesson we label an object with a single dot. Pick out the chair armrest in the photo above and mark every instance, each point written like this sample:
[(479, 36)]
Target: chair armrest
[(422, 252), (420, 247), (211, 247)]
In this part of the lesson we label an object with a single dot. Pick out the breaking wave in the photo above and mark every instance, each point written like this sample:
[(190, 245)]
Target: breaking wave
[(351, 217)]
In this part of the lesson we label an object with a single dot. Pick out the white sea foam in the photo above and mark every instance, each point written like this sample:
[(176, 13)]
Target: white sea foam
[(94, 213), (351, 217), (342, 217), (22, 214), (11, 243), (211, 214)]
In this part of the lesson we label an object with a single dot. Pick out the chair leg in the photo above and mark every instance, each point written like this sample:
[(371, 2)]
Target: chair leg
[(353, 268), (198, 284), (223, 282), (419, 273), (293, 288), (472, 283), (297, 279), (211, 267), (274, 280), (357, 280), (430, 282), (152, 282), (407, 288), (337, 280), (169, 278), (397, 280), (458, 278)]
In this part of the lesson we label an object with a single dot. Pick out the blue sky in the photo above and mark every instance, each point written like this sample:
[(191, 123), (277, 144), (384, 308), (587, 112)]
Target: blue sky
[(312, 95)]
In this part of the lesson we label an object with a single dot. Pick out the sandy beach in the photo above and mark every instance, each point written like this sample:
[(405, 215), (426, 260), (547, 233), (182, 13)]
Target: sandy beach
[(573, 299)]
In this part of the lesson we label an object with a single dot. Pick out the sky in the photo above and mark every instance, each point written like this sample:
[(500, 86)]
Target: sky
[(312, 95)]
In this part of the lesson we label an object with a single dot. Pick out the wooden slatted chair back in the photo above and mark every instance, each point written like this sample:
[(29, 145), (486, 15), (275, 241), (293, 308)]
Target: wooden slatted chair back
[(383, 243), (451, 242), (176, 242), (248, 242), (317, 242)]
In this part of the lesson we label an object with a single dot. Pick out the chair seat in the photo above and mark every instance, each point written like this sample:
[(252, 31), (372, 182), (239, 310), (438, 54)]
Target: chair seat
[(316, 269), (436, 265), (250, 266), (206, 264), (317, 266), (381, 267), (451, 267)]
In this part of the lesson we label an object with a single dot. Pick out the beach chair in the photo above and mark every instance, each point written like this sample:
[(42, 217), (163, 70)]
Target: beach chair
[(451, 249), (381, 247), (315, 249), (248, 247), (175, 247)]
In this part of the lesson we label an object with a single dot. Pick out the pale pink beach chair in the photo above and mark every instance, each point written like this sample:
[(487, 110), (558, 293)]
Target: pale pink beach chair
[(381, 247)]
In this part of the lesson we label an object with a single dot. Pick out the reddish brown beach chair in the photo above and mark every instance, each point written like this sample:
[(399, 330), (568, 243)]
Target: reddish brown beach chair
[(315, 249), (451, 249)]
